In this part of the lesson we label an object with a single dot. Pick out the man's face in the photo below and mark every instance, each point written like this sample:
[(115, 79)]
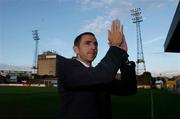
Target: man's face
[(87, 49)]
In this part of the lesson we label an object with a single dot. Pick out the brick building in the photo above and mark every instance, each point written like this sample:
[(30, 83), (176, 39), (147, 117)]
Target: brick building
[(47, 64)]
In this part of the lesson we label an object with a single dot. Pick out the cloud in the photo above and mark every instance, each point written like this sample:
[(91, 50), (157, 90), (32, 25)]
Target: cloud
[(103, 4), (156, 4), (93, 4), (113, 9), (160, 5), (58, 45), (98, 25), (154, 40), (54, 42), (173, 0)]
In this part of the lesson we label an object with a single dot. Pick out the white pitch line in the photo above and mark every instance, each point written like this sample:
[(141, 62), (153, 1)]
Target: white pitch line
[(152, 105)]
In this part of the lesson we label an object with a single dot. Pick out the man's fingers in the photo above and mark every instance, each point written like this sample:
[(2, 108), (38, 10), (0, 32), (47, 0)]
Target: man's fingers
[(115, 35), (124, 45), (113, 26), (124, 37), (122, 27), (109, 35), (118, 25)]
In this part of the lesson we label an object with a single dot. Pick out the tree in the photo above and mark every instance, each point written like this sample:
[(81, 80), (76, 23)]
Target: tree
[(144, 79)]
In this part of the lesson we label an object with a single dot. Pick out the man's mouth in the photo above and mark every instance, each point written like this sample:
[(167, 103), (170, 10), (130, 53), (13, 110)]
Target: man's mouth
[(92, 53)]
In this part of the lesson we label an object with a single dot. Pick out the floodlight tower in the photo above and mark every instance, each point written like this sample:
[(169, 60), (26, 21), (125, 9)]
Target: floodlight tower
[(137, 18), (36, 39)]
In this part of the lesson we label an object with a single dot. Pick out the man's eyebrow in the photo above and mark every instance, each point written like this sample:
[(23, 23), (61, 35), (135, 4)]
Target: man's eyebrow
[(89, 41)]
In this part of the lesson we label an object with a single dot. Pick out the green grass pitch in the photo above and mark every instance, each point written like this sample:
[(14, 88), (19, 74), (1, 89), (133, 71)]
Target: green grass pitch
[(35, 102)]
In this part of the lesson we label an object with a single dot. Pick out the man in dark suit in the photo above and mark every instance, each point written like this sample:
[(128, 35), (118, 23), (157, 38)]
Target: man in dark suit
[(85, 90)]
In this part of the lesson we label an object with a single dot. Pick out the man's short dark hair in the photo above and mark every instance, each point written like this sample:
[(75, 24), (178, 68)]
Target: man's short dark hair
[(78, 38)]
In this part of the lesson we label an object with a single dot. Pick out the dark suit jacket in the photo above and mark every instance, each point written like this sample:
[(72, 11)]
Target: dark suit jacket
[(85, 92)]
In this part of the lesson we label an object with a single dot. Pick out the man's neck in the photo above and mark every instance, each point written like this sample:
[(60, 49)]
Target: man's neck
[(86, 64)]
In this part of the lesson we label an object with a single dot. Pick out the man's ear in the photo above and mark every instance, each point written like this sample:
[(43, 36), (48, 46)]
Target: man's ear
[(76, 49)]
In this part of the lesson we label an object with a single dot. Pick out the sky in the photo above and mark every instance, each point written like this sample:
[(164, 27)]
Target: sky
[(59, 21)]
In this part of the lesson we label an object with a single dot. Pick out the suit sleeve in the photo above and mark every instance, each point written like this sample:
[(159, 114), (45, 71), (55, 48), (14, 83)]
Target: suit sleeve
[(72, 75), (128, 84)]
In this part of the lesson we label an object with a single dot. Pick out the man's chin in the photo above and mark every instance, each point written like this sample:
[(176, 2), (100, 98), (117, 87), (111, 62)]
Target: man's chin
[(91, 59)]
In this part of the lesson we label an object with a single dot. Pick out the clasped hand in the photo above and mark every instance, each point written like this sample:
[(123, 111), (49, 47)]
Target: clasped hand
[(116, 36)]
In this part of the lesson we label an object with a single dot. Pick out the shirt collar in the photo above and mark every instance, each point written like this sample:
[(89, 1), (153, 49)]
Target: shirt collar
[(83, 63)]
